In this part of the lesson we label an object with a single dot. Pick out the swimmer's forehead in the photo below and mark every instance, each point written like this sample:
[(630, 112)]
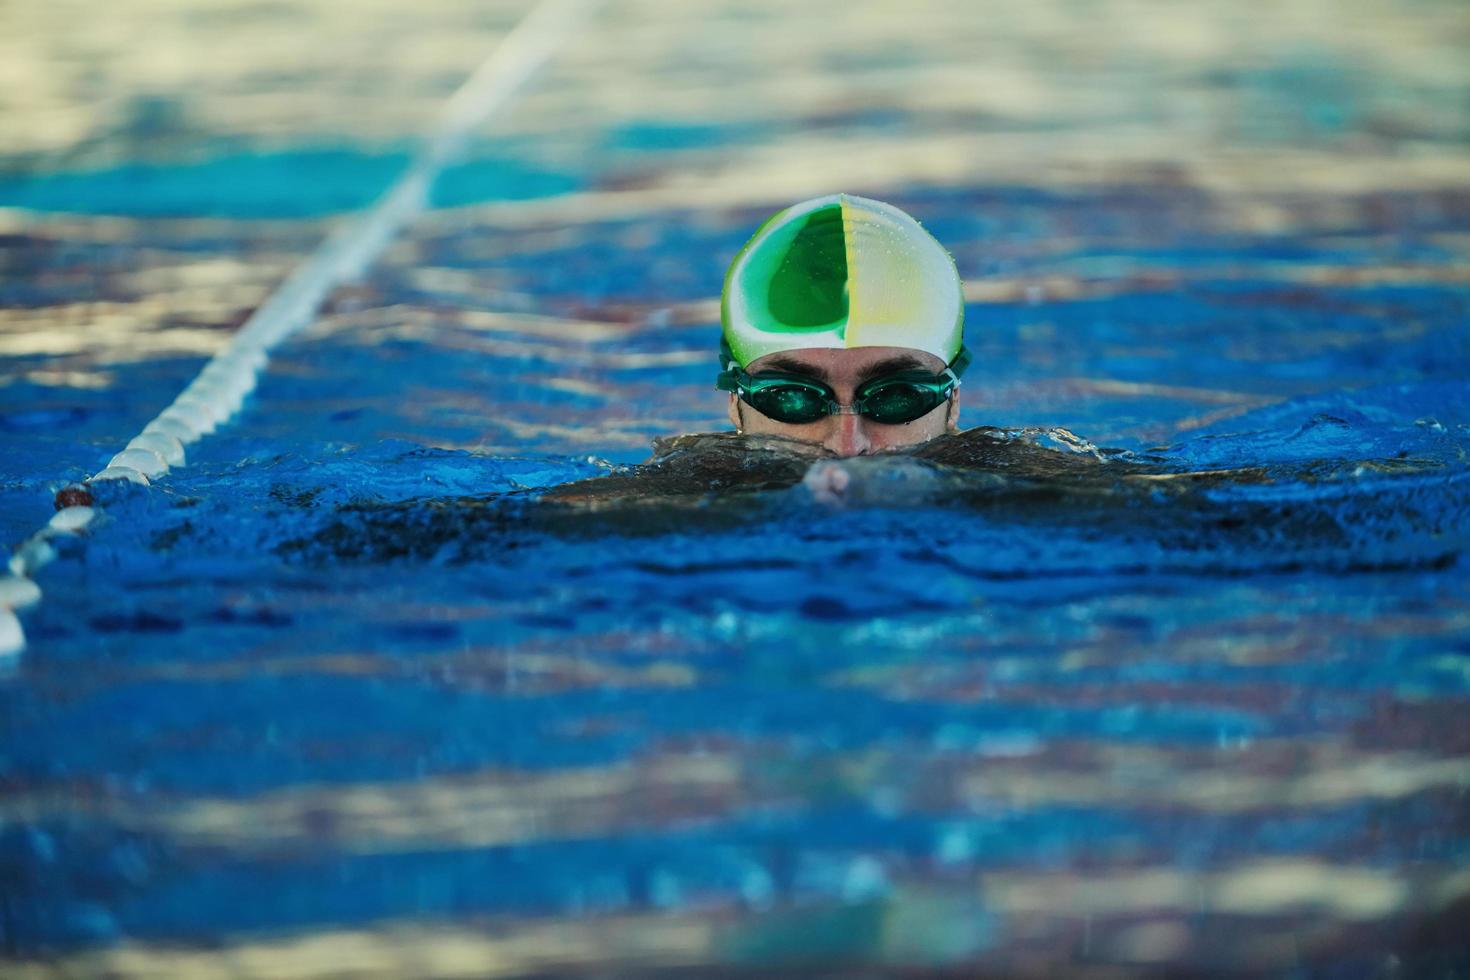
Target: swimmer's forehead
[(827, 364)]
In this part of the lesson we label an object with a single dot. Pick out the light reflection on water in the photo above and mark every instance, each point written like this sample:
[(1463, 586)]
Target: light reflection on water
[(355, 692)]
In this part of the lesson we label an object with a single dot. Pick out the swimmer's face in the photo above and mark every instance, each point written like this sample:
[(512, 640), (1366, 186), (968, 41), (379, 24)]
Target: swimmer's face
[(844, 371)]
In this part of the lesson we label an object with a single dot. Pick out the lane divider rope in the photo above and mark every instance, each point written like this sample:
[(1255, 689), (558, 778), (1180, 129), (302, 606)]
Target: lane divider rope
[(219, 390)]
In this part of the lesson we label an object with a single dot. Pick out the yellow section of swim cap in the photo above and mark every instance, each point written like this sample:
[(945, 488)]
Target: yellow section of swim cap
[(903, 288), (853, 295)]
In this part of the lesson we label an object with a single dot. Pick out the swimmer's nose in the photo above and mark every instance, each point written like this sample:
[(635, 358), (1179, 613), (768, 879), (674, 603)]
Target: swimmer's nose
[(847, 436)]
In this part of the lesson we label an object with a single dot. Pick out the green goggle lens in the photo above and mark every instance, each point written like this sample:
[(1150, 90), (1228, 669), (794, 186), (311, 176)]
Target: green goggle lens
[(896, 402), (792, 403)]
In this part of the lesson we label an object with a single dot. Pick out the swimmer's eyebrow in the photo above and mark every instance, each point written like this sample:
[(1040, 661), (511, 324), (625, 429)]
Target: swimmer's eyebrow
[(892, 365), (787, 365)]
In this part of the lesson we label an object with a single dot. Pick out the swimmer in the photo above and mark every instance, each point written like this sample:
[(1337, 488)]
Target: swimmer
[(842, 322), (842, 336)]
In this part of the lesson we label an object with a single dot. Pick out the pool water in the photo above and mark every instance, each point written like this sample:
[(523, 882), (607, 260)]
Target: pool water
[(1163, 668)]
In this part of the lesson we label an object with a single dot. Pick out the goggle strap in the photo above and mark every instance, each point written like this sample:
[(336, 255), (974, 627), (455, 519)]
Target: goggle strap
[(727, 357), (957, 366)]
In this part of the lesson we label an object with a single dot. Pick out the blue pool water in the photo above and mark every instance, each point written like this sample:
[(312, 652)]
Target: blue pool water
[(351, 670), (294, 184)]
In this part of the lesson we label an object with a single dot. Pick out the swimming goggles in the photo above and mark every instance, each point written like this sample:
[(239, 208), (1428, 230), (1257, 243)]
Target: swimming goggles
[(796, 400)]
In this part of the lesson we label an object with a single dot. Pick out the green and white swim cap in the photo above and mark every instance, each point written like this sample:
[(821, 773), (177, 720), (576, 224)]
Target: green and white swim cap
[(842, 271)]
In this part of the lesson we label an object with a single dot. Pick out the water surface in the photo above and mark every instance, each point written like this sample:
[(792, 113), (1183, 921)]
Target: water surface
[(433, 661)]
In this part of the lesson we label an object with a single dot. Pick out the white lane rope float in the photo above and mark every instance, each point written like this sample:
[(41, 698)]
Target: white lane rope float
[(217, 393)]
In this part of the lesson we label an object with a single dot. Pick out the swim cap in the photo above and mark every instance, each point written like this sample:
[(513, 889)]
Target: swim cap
[(842, 271)]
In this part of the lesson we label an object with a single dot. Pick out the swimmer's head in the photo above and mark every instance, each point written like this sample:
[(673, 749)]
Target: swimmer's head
[(847, 292)]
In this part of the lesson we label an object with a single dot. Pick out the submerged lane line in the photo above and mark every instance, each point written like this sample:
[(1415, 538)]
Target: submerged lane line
[(217, 393)]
